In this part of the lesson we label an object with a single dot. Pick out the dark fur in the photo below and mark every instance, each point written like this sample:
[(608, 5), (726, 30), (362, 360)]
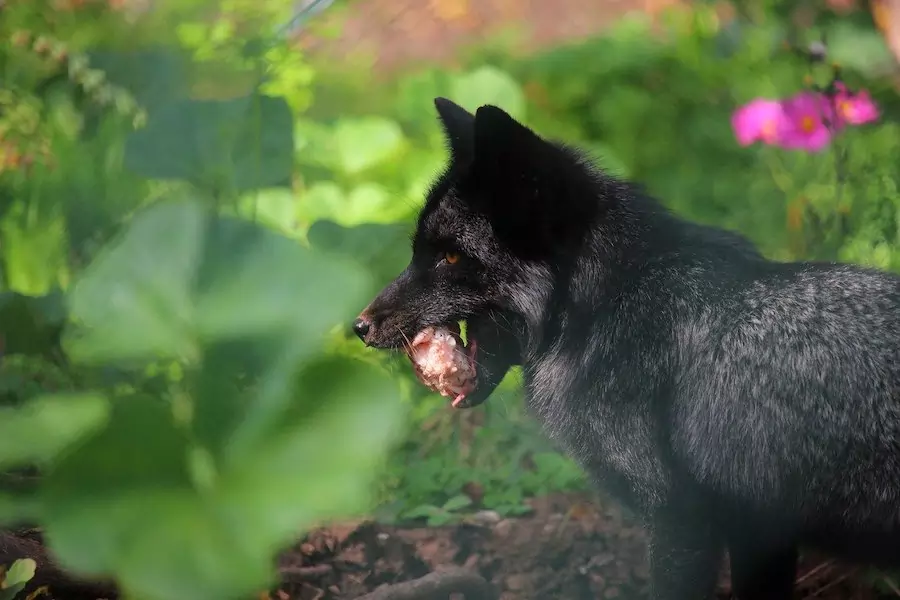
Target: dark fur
[(733, 401)]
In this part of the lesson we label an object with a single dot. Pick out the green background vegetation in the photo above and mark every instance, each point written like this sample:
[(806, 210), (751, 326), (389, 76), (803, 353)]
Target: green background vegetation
[(190, 215)]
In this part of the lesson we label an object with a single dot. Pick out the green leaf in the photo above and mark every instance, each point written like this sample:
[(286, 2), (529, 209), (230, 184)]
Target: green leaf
[(17, 577), (372, 203), (21, 571), (130, 489), (42, 428), (422, 511), (457, 502), (383, 250), (368, 202), (322, 200), (314, 145), (134, 301), (233, 299), (139, 448), (254, 281), (214, 279), (439, 519), (336, 398), (365, 142), (489, 85), (275, 208), (221, 145)]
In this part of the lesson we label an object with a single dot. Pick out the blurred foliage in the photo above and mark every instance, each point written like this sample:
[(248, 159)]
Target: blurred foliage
[(165, 367), (190, 215)]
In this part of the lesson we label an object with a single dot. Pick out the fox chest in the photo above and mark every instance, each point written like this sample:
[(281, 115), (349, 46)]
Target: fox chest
[(602, 423)]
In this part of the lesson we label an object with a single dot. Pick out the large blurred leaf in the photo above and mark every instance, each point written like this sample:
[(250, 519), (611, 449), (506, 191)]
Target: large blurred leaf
[(489, 85), (221, 145), (139, 457), (364, 142), (38, 431), (370, 203), (276, 208), (322, 200), (336, 437), (180, 277), (382, 249), (166, 533)]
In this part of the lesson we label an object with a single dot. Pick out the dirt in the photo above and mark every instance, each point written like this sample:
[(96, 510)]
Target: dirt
[(572, 547)]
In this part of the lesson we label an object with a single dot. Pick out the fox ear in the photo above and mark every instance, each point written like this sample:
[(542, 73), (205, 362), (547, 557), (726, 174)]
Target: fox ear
[(502, 143), (527, 185), (459, 129)]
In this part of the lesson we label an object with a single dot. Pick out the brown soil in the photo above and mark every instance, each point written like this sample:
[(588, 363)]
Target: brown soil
[(572, 547)]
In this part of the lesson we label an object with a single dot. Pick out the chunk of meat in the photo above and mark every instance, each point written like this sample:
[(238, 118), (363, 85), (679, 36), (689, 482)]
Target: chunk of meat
[(443, 363)]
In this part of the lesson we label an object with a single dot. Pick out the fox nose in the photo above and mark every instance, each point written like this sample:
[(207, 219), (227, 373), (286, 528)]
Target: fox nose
[(361, 327)]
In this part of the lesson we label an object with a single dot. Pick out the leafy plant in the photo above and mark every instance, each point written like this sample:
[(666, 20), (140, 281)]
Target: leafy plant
[(435, 516), (202, 421), (14, 579)]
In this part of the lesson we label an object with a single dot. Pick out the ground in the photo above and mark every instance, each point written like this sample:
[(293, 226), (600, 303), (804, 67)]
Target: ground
[(572, 547)]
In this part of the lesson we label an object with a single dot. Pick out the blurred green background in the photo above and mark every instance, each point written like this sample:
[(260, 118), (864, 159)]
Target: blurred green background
[(197, 197)]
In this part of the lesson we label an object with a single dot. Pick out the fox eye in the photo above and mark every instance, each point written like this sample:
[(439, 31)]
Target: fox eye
[(448, 258)]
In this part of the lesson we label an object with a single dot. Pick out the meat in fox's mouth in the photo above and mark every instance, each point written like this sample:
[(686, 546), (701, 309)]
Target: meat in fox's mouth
[(444, 363)]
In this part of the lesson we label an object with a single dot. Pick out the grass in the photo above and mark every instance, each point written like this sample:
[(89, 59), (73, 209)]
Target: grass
[(493, 457)]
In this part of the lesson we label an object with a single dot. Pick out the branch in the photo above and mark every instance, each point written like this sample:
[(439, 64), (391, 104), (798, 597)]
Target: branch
[(437, 586)]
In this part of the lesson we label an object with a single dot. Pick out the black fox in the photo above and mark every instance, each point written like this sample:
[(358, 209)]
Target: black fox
[(734, 402)]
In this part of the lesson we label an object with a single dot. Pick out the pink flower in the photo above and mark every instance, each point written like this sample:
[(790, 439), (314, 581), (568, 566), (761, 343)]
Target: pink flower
[(759, 120), (806, 121), (806, 115), (855, 109)]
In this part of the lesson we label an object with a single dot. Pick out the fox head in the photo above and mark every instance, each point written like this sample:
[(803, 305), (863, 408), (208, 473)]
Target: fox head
[(489, 241)]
